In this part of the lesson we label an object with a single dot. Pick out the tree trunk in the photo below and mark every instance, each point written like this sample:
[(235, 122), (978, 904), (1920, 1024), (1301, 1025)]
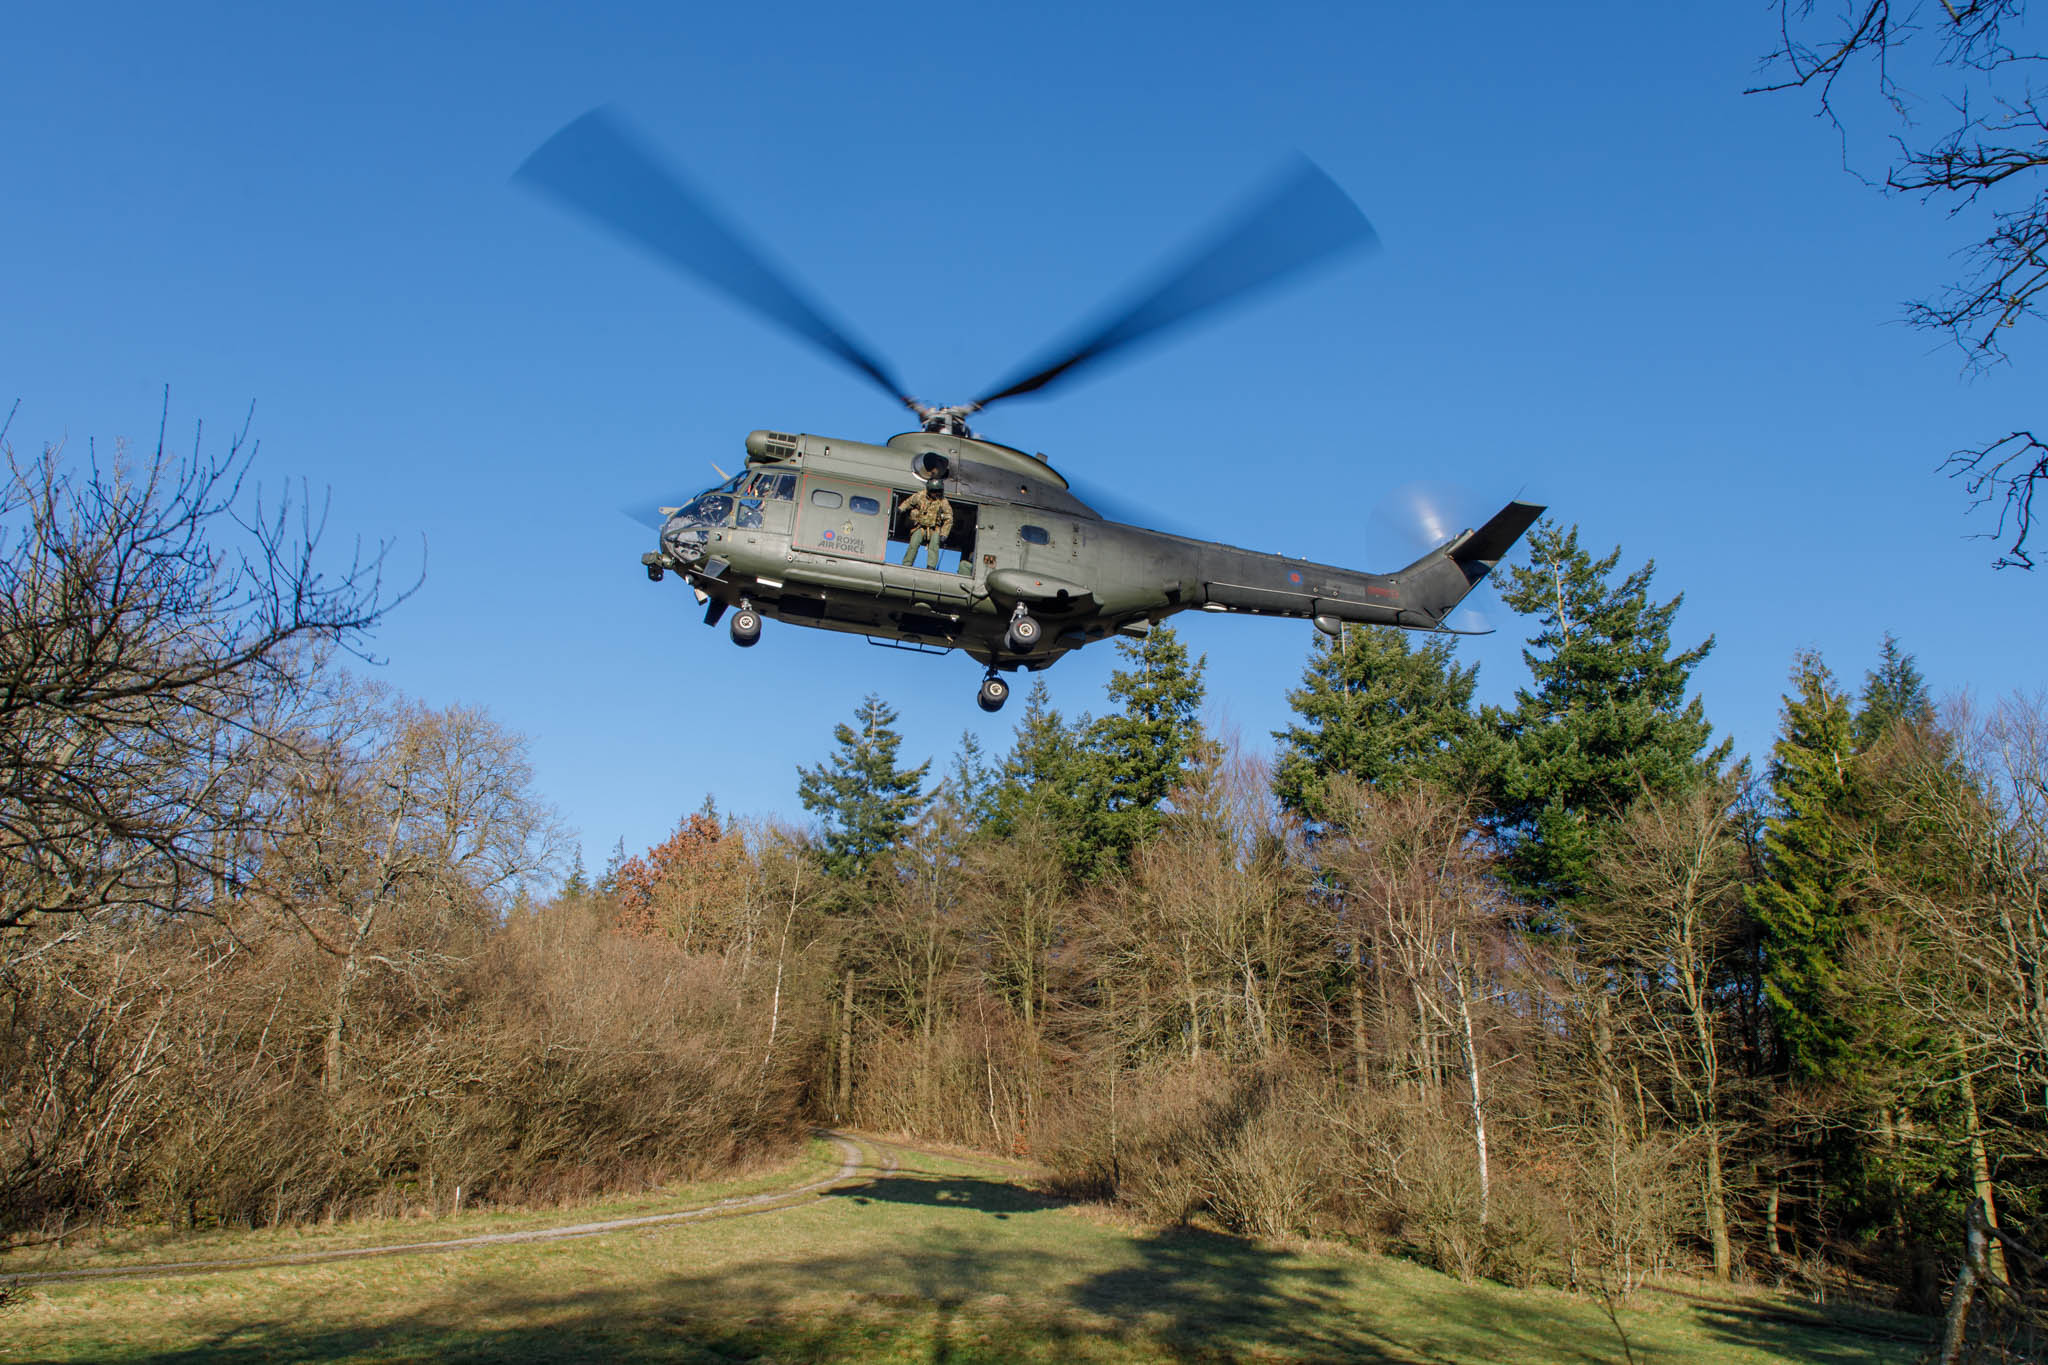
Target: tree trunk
[(1425, 1041), (1359, 1048), (774, 1005), (1478, 1107), (1980, 1179), (927, 1022), (845, 1098), (351, 966), (1717, 1207), (1603, 1049), (1956, 1328)]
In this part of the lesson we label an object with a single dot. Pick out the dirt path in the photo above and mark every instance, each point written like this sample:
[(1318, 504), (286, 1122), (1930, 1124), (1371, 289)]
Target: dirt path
[(854, 1154)]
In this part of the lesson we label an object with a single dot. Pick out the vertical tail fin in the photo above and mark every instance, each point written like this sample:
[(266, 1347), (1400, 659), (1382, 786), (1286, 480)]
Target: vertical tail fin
[(1434, 584)]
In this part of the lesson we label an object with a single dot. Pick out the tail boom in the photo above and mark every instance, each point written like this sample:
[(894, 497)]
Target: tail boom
[(1419, 597)]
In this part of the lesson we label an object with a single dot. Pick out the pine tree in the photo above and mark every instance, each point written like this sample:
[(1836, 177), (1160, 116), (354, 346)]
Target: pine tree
[(608, 880), (577, 885), (1374, 709), (1044, 782), (1894, 694), (862, 798), (967, 796), (1139, 755), (1606, 722), (1800, 906)]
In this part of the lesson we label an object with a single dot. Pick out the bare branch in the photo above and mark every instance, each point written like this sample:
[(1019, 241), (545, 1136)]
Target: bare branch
[(2006, 471), (1986, 167), (157, 646)]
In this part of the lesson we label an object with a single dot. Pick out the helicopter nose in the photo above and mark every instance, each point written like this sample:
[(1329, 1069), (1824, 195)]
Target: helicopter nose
[(682, 540)]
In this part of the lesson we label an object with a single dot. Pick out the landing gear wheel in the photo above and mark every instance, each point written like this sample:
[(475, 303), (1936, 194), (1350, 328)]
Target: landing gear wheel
[(1024, 634), (994, 692), (746, 627)]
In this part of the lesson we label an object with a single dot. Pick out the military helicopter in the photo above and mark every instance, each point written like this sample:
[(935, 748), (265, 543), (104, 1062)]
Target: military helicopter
[(1027, 570)]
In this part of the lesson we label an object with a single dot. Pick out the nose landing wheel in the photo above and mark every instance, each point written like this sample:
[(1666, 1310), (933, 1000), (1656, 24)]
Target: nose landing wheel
[(746, 626), (994, 692)]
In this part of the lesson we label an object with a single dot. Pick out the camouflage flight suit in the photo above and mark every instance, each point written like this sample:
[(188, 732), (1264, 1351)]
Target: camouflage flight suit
[(931, 521)]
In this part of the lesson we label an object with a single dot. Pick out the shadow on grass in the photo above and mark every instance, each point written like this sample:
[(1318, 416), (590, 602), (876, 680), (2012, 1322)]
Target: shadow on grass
[(997, 1198), (965, 1270), (1825, 1336)]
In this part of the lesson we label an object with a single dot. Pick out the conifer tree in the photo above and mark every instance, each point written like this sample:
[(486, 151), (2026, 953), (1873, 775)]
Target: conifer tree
[(1606, 722), (608, 880), (576, 885), (1800, 907), (1140, 754), (967, 796), (1376, 710), (1041, 777), (863, 800), (1894, 694)]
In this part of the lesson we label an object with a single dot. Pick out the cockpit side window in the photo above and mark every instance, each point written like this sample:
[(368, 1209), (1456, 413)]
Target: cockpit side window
[(768, 484)]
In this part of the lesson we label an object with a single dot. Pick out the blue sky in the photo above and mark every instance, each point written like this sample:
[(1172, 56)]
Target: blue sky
[(1611, 282)]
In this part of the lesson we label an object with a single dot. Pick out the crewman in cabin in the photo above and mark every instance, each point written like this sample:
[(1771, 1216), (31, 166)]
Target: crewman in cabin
[(931, 521)]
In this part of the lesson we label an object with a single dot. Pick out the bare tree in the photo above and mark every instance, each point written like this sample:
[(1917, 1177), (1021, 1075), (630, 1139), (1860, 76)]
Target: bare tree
[(1412, 868), (159, 634), (406, 809), (1017, 905), (1981, 155), (1666, 921), (1972, 929), (1206, 946)]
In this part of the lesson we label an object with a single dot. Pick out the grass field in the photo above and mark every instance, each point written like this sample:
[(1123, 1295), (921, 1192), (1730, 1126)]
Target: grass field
[(920, 1258)]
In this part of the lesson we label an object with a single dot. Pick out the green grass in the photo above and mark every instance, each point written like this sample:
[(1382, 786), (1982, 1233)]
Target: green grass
[(944, 1259), (816, 1160)]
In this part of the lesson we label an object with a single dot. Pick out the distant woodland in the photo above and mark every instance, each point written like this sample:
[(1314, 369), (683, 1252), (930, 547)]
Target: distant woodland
[(1559, 991)]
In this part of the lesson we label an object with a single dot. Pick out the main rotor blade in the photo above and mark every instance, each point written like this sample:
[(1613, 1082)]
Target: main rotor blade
[(598, 168), (646, 514), (1302, 218)]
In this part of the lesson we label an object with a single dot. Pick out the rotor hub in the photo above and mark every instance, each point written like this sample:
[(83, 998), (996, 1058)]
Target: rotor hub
[(948, 421)]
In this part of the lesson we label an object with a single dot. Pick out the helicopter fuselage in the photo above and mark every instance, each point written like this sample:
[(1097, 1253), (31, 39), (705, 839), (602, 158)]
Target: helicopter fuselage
[(1028, 572), (811, 531)]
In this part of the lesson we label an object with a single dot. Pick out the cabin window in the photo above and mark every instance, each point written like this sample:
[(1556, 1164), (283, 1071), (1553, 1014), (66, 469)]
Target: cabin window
[(827, 497), (749, 518), (867, 507), (1034, 535)]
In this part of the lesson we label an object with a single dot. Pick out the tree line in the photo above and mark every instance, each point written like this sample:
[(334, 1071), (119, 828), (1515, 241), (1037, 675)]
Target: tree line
[(1551, 990)]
